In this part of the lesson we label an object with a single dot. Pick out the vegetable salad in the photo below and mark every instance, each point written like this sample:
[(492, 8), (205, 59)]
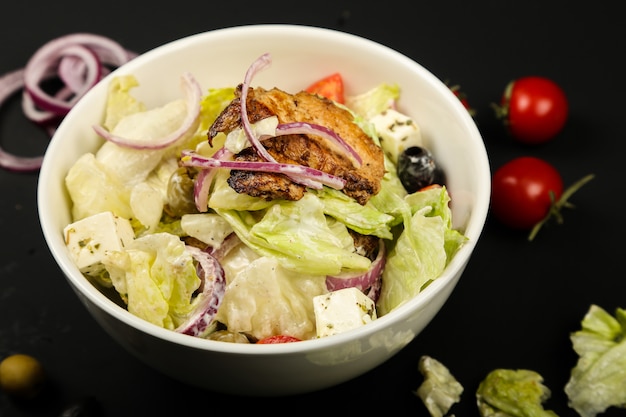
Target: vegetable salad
[(242, 265)]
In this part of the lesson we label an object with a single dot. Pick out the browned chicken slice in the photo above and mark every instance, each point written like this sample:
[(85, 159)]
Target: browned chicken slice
[(309, 150)]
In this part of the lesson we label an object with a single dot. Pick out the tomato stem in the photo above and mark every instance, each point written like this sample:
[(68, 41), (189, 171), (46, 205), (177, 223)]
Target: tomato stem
[(557, 206)]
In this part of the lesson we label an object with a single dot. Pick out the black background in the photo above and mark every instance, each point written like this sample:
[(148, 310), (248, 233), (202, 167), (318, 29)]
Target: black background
[(517, 302)]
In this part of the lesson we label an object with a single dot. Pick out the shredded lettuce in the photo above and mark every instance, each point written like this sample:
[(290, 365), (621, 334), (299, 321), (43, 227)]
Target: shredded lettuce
[(439, 390), (263, 298), (513, 393), (374, 101), (299, 235), (422, 250), (365, 219), (120, 102), (598, 381), (88, 181), (156, 277), (212, 104)]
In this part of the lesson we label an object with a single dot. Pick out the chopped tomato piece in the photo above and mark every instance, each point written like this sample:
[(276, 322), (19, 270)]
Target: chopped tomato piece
[(330, 87)]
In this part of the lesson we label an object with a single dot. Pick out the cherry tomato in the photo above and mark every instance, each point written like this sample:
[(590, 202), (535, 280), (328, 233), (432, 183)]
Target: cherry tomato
[(523, 191), (456, 89), (534, 109), (330, 87), (281, 338)]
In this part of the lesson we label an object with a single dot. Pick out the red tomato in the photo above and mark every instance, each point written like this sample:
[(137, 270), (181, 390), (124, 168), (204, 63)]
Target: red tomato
[(281, 338), (330, 87), (463, 99), (521, 191), (534, 109)]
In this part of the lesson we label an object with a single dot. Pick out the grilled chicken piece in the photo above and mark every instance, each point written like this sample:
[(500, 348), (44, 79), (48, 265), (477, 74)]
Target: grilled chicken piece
[(309, 150)]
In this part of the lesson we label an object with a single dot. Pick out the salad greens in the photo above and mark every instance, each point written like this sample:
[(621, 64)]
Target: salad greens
[(439, 390), (289, 246), (598, 380), (513, 393)]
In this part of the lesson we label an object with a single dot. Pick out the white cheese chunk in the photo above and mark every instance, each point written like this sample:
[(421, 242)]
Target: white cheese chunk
[(342, 310), (397, 132), (89, 239)]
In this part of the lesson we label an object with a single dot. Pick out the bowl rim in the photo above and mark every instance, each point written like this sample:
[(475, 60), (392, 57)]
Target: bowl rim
[(473, 228)]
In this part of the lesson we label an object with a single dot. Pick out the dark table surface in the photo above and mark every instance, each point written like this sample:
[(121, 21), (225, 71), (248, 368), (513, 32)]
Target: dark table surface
[(517, 302)]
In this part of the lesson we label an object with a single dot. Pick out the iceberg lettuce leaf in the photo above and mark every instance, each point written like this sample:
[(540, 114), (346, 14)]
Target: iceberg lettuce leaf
[(120, 102), (374, 101), (365, 219), (513, 393), (299, 235), (87, 181), (156, 277), (422, 250), (598, 381), (212, 104), (263, 298)]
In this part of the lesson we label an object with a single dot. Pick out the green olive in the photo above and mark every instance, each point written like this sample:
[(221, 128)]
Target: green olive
[(21, 375)]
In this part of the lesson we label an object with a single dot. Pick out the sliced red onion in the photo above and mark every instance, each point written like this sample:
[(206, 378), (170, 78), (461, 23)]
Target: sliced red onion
[(42, 117), (228, 244), (259, 64), (19, 163), (193, 96), (79, 61), (314, 129), (74, 72), (94, 50), (213, 290), (192, 159), (9, 84), (362, 281), (203, 181)]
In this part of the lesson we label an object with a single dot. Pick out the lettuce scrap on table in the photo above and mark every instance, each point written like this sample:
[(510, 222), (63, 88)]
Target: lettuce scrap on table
[(513, 393), (598, 381), (439, 390)]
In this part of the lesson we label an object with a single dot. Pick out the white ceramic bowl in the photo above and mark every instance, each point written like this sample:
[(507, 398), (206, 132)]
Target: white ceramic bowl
[(220, 58)]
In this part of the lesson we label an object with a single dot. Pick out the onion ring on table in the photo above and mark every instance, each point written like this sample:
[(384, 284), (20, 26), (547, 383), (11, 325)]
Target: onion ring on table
[(79, 61), (94, 50), (9, 84)]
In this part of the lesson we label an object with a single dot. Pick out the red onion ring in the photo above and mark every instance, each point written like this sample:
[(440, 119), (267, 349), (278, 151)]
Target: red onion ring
[(362, 281), (259, 64), (314, 129), (229, 243), (203, 181), (193, 96), (78, 60), (94, 50), (213, 290), (192, 159), (10, 83)]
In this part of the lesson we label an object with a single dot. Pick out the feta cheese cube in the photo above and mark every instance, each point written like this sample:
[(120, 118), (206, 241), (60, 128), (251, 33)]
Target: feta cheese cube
[(397, 132), (342, 310), (89, 239)]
